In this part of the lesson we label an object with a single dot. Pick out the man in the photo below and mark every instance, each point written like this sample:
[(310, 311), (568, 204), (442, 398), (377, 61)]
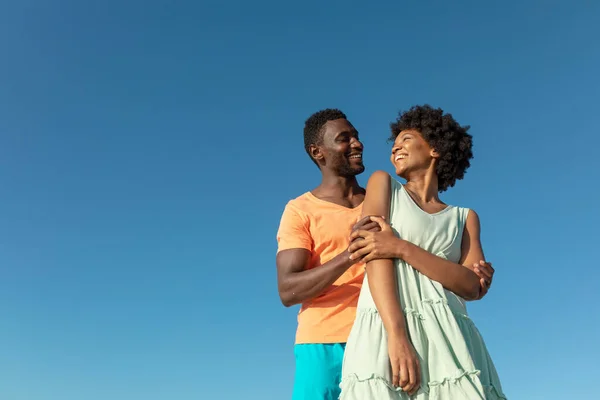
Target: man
[(314, 267)]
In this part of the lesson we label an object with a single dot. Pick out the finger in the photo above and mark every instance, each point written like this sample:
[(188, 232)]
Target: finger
[(395, 374), (356, 244), (478, 271), (410, 386), (417, 378), (488, 265), (358, 254), (486, 277), (484, 283), (483, 288), (361, 222), (359, 233), (384, 225), (483, 262), (372, 227), (485, 270), (492, 271), (482, 272), (404, 375)]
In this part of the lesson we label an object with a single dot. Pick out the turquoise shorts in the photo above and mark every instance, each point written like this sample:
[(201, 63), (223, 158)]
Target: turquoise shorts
[(318, 371)]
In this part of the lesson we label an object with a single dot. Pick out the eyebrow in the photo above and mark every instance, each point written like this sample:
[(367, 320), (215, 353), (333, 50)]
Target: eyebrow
[(404, 134), (347, 132)]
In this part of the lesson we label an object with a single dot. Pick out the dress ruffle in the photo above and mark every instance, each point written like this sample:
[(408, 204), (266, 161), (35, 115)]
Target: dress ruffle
[(454, 360), (376, 387)]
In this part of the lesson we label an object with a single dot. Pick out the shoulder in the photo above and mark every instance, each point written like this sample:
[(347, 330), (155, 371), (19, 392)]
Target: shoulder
[(299, 203), (471, 214), (377, 199), (382, 183), (379, 178), (472, 222), (300, 208)]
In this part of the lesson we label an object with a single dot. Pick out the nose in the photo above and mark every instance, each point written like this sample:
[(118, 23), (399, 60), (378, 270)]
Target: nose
[(356, 144)]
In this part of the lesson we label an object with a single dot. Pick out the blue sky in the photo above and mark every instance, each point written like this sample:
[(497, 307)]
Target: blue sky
[(147, 150)]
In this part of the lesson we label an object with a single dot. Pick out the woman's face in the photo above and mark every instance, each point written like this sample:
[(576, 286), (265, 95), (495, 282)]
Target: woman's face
[(411, 152)]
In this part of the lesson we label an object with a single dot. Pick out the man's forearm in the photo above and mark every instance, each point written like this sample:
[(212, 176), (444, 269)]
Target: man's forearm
[(454, 277), (299, 287)]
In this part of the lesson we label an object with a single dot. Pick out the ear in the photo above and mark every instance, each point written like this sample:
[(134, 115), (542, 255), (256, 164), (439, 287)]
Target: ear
[(315, 152), (434, 154)]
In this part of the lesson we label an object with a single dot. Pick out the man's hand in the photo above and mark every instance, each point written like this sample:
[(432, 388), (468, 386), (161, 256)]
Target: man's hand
[(485, 272), (366, 224), (374, 244)]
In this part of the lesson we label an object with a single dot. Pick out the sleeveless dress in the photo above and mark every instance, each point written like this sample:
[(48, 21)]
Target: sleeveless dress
[(455, 364)]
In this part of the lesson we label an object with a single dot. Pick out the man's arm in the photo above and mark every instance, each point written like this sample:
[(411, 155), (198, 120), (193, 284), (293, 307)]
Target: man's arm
[(297, 284)]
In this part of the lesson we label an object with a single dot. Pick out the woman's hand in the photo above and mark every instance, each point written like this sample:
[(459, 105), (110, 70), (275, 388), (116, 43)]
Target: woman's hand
[(406, 370), (367, 245), (485, 272)]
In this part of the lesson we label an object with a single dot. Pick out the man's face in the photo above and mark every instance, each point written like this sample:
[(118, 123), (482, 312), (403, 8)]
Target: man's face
[(341, 151)]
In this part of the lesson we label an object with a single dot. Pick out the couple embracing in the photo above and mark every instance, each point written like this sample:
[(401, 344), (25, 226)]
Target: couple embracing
[(383, 274)]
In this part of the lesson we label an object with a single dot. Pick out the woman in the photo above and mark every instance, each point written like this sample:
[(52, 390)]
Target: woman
[(412, 337)]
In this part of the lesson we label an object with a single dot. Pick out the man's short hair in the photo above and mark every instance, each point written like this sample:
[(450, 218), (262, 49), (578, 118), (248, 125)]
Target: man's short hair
[(313, 127)]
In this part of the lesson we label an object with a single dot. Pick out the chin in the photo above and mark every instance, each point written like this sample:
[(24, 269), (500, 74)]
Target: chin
[(400, 173), (359, 170), (349, 172)]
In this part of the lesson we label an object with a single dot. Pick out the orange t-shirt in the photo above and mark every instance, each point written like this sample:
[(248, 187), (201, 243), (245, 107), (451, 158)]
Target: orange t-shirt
[(323, 228)]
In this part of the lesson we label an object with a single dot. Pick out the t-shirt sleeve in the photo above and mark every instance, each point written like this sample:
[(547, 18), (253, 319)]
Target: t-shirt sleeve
[(293, 231)]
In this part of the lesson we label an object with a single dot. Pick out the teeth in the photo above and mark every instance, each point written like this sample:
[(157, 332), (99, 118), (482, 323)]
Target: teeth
[(400, 157), (356, 156)]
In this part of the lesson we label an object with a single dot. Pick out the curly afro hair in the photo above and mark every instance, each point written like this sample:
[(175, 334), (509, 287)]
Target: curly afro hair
[(313, 127), (442, 133)]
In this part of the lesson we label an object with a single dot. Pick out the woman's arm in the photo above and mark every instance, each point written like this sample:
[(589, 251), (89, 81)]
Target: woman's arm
[(459, 278), (381, 274)]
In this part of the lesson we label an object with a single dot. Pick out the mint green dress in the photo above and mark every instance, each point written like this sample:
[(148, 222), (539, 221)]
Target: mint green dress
[(455, 364)]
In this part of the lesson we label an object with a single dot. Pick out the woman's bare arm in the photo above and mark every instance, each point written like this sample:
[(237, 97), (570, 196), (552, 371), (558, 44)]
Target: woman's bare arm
[(460, 278), (456, 277), (381, 273)]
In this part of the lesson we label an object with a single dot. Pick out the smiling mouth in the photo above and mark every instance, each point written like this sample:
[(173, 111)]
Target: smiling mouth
[(355, 157), (400, 157)]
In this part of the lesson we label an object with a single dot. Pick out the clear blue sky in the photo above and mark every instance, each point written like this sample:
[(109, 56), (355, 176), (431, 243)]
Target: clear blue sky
[(148, 148)]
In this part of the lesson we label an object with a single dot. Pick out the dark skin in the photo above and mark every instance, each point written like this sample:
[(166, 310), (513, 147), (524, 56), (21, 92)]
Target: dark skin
[(415, 161), (337, 158), (413, 158)]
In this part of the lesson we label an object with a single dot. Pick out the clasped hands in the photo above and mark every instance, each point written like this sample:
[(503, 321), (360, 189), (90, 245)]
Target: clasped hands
[(372, 238)]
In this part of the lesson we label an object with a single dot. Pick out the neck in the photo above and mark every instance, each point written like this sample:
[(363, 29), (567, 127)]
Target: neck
[(424, 184), (335, 185)]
